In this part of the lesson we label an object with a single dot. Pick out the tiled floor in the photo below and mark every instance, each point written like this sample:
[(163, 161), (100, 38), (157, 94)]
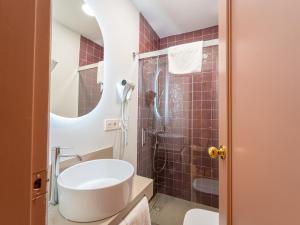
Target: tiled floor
[(168, 210)]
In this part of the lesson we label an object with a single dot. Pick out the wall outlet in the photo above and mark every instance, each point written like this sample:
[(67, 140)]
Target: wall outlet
[(111, 124)]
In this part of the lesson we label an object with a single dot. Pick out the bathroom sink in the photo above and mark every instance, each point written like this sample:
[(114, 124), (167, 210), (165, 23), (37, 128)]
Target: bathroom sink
[(94, 190)]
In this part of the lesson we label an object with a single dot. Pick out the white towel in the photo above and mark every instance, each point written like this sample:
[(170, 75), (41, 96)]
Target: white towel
[(100, 72), (139, 215), (186, 58)]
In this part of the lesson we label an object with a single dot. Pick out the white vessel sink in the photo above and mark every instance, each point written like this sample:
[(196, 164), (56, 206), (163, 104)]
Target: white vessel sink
[(94, 190)]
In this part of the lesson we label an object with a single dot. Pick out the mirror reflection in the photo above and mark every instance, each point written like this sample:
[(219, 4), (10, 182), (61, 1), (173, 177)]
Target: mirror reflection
[(76, 59)]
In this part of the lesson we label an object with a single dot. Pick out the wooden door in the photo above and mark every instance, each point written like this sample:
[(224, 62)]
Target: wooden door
[(264, 65), (225, 112), (24, 86)]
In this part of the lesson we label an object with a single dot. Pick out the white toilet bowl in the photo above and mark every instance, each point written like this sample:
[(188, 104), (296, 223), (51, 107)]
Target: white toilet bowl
[(201, 217)]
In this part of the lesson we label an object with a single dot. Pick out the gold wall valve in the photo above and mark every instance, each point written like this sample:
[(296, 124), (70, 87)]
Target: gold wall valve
[(215, 152)]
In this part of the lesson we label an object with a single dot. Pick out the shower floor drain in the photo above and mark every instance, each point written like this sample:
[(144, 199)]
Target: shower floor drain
[(157, 209)]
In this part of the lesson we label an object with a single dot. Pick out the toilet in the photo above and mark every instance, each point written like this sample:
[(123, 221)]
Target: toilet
[(201, 217)]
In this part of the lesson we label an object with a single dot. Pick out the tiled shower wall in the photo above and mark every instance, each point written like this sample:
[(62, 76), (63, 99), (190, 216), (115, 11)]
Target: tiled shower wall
[(90, 52), (89, 90), (199, 35), (149, 40), (191, 122)]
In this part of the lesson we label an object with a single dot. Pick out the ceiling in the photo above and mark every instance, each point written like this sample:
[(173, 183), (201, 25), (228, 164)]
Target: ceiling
[(70, 14), (170, 17)]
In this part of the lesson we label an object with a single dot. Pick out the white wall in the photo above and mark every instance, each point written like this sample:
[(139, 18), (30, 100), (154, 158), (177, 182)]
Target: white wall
[(64, 79), (119, 23)]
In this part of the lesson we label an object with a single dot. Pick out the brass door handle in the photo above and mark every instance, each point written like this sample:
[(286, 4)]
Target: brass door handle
[(215, 152)]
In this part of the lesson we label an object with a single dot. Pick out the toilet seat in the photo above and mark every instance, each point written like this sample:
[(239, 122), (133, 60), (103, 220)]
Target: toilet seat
[(201, 217)]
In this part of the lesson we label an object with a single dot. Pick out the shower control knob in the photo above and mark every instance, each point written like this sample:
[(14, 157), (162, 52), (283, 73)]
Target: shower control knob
[(215, 152)]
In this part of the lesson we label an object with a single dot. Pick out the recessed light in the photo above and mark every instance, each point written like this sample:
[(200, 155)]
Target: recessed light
[(87, 10)]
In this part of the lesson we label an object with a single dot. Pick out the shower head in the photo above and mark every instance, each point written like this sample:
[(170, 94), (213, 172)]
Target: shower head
[(125, 90)]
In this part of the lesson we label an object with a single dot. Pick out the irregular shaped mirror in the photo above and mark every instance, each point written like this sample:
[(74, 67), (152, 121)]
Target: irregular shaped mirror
[(76, 59)]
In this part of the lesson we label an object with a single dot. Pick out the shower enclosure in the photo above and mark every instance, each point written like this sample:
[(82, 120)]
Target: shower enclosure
[(178, 122)]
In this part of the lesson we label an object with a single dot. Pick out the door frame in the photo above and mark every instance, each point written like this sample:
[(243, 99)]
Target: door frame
[(225, 115), (24, 86), (225, 110)]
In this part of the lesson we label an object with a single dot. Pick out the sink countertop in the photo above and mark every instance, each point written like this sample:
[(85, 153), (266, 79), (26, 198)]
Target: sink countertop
[(142, 186)]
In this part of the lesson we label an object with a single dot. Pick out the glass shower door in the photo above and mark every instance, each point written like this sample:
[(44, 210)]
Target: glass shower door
[(178, 121)]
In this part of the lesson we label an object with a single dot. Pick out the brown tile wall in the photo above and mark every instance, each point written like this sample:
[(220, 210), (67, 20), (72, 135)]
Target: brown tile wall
[(199, 35), (149, 40), (90, 52), (191, 122)]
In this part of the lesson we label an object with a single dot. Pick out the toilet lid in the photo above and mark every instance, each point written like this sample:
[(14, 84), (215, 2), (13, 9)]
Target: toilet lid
[(201, 217)]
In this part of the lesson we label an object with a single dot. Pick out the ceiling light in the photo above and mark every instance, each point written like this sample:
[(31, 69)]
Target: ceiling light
[(87, 10)]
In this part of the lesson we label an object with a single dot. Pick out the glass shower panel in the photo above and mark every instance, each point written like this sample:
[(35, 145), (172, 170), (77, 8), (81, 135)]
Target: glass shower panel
[(177, 123), (205, 171), (146, 97)]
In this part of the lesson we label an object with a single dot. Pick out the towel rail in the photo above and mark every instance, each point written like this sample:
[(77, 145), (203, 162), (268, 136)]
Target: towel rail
[(165, 51)]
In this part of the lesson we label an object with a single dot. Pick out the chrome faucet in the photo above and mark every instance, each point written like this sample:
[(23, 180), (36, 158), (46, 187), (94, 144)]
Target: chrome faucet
[(55, 159)]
